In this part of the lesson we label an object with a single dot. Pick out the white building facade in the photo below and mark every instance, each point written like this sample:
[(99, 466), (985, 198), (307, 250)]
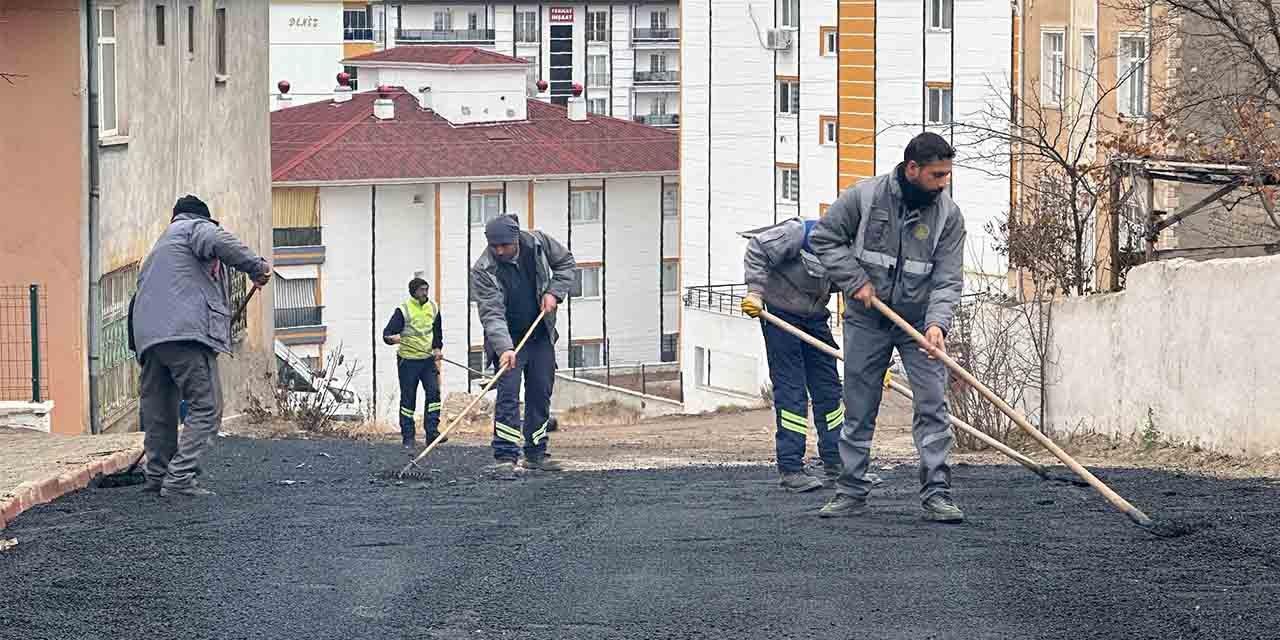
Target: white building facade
[(786, 103)]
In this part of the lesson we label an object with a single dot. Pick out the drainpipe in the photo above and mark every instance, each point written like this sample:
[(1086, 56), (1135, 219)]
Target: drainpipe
[(95, 291)]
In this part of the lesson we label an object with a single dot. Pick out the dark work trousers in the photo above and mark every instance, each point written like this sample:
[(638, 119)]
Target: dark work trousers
[(869, 341), (413, 372), (536, 364), (798, 371), (173, 372)]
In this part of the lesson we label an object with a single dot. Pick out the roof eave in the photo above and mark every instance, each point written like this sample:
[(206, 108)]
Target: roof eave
[(431, 66), (451, 179)]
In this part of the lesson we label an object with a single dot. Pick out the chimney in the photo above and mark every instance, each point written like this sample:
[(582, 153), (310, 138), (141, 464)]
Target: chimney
[(342, 92), (424, 97), (283, 99), (577, 106), (383, 107)]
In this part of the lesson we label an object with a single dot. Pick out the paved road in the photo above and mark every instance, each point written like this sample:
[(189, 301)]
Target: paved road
[(676, 553)]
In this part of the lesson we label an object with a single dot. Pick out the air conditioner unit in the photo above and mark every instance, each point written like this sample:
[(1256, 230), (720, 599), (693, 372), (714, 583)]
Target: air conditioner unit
[(778, 39)]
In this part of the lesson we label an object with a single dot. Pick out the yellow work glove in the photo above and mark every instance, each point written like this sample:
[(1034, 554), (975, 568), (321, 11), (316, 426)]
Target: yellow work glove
[(888, 377), (752, 305)]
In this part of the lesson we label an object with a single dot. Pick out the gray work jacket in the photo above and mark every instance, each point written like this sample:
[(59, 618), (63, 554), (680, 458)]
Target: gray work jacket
[(778, 269), (555, 266), (914, 259)]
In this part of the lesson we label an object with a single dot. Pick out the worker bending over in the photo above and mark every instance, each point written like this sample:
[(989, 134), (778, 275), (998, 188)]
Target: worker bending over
[(898, 237), (415, 327), (782, 273), (519, 275)]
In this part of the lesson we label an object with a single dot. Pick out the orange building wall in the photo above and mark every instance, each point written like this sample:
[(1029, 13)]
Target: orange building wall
[(857, 92)]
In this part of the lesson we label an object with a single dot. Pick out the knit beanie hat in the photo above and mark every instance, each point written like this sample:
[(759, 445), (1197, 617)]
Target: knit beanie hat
[(192, 205)]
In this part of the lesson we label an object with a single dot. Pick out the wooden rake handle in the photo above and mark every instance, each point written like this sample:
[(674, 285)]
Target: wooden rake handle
[(1136, 515), (458, 419), (1034, 466)]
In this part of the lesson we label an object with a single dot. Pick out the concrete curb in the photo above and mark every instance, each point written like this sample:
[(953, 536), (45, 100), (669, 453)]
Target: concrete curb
[(36, 492)]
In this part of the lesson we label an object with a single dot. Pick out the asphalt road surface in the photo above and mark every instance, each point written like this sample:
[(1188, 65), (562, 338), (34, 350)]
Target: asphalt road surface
[(676, 553)]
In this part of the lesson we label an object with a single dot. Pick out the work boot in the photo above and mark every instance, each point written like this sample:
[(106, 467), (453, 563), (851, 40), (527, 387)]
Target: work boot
[(941, 508), (192, 491), (841, 506), (503, 470), (553, 424), (151, 487), (540, 463), (799, 482), (407, 443)]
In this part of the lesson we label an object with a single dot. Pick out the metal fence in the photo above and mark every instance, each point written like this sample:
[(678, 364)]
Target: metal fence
[(727, 299), (24, 343), (661, 379)]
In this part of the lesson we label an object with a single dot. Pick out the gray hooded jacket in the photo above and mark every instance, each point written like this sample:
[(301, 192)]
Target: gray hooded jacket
[(182, 287), (555, 265), (914, 259), (778, 269)]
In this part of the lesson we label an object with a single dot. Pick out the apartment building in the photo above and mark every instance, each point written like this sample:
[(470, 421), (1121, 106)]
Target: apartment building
[(373, 188), (119, 108), (624, 54), (787, 103)]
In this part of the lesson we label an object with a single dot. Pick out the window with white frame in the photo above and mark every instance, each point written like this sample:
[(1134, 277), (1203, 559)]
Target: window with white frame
[(586, 354), (658, 106), (1131, 62), (658, 20), (585, 206), (597, 70), (657, 63), (354, 72), (473, 21), (108, 80), (586, 282), (940, 12), (1088, 70), (670, 193), (789, 97), (1052, 66), (597, 26), (789, 184), (670, 276), (790, 11), (939, 105), (442, 20), (533, 74), (597, 106), (485, 207), (527, 26)]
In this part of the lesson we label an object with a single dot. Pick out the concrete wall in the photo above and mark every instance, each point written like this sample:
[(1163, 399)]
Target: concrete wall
[(461, 95), (723, 360), (574, 392), (43, 196), (1189, 341), (306, 48), (27, 415)]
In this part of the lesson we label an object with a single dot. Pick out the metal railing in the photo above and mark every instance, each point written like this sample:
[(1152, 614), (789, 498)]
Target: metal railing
[(660, 379), (640, 34), (657, 76), (719, 298), (445, 35), (358, 34), (299, 317), (24, 343), (659, 119), (296, 237)]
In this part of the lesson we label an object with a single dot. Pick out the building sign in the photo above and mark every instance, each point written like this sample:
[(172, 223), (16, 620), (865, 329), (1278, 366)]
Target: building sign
[(308, 22), (562, 14)]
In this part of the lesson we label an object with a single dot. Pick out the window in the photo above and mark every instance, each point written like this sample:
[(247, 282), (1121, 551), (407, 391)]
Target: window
[(586, 355), (533, 75), (598, 106), (790, 11), (191, 29), (475, 362), (160, 31), (1052, 66), (830, 44), (658, 63), (354, 72), (442, 20), (939, 105), (670, 276), (789, 97), (670, 342), (108, 87), (828, 130), (670, 193), (356, 25), (585, 206), (597, 71), (220, 40), (597, 26), (527, 26), (1088, 70), (485, 207), (658, 21), (586, 281), (658, 106), (1131, 64), (940, 12), (473, 21), (295, 302), (789, 183)]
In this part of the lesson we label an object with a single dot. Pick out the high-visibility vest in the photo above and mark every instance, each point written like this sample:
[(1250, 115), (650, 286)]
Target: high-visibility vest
[(415, 338)]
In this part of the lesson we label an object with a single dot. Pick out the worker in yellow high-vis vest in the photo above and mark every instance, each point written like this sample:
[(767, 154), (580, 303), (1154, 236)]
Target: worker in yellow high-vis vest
[(415, 327)]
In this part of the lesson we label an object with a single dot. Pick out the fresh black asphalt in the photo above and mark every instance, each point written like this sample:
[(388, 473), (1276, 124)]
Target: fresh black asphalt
[(677, 553)]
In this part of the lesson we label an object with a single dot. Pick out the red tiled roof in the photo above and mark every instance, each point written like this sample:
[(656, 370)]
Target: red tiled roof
[(436, 54), (331, 142)]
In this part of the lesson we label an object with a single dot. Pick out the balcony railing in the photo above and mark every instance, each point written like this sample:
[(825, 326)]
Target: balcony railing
[(299, 317), (646, 34), (445, 35), (659, 119), (727, 299), (657, 76), (296, 237), (358, 34)]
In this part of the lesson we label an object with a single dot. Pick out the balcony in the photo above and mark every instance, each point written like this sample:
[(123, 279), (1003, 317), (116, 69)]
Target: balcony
[(299, 317), (657, 77), (648, 34), (358, 34), (456, 36), (296, 237), (659, 119)]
